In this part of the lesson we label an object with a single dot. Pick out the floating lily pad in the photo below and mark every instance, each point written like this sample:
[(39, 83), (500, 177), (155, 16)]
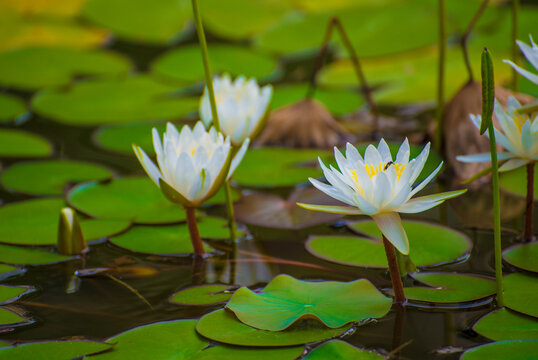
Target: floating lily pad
[(10, 318), (337, 349), (7, 269), (521, 293), (54, 175), (286, 300), (150, 21), (523, 256), (503, 324), (11, 107), (202, 295), (59, 350), (246, 353), (17, 143), (502, 350), (52, 8), (274, 212), (430, 244), (131, 198), (35, 68), (185, 63), (110, 101), (35, 222), (171, 239), (120, 138), (9, 293), (18, 255), (515, 182), (223, 326), (447, 288), (267, 167)]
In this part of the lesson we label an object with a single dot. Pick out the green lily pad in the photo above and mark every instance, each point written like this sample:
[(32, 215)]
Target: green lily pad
[(286, 300), (515, 182), (54, 175), (521, 293), (154, 22), (337, 349), (223, 326), (448, 288), (35, 222), (523, 256), (120, 138), (17, 143), (338, 101), (131, 198), (426, 249), (185, 63), (11, 107), (267, 167), (202, 295), (502, 350), (59, 350), (10, 318), (35, 68), (503, 324), (9, 293), (171, 239), (113, 101), (246, 353), (18, 255), (4, 269)]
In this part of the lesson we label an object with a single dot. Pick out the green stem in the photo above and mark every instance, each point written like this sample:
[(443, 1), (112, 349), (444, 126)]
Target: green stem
[(230, 211), (441, 76), (528, 236), (515, 50)]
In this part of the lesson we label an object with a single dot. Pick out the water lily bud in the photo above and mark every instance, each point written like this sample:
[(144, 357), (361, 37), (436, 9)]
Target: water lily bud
[(70, 238)]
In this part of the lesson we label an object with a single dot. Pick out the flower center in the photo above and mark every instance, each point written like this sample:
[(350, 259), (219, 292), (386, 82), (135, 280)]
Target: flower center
[(519, 120), (373, 170)]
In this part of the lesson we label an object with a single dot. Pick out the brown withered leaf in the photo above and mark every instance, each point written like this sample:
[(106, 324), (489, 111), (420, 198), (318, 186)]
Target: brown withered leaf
[(272, 211), (461, 137), (304, 124)]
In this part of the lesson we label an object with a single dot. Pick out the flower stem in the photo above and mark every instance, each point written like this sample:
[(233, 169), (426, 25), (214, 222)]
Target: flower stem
[(397, 285), (466, 35), (515, 51), (441, 76), (530, 202), (196, 241), (230, 211)]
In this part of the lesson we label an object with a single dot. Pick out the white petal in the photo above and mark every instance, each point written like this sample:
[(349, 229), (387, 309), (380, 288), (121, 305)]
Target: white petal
[(426, 181), (372, 156), (238, 157), (484, 157), (424, 203), (530, 76), (513, 164), (420, 160), (331, 191), (184, 175), (403, 153), (352, 154), (382, 191), (384, 151), (148, 165), (344, 210), (531, 53), (390, 225)]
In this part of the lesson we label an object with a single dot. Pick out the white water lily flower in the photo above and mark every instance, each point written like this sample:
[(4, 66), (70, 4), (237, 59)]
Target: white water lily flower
[(379, 187), (193, 164), (519, 137), (242, 107), (531, 53)]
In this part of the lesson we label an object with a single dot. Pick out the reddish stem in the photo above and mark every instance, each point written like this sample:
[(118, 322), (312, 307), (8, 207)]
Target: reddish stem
[(197, 245), (397, 285), (530, 202)]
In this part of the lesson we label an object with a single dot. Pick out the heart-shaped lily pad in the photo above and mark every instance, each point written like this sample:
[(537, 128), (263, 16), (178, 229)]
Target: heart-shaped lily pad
[(109, 101), (273, 211), (17, 143), (337, 349), (171, 239), (156, 22), (521, 293), (502, 350), (447, 245), (120, 138), (35, 68), (223, 326), (515, 182), (11, 107), (185, 64), (523, 256), (504, 324), (286, 300), (35, 222), (203, 295), (59, 350), (449, 288), (54, 175)]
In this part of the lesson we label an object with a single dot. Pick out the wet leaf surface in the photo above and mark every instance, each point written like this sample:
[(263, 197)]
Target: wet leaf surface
[(504, 324), (510, 349), (337, 349), (18, 143), (521, 293)]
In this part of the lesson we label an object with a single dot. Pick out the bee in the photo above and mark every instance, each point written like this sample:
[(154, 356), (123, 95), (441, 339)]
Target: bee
[(388, 165)]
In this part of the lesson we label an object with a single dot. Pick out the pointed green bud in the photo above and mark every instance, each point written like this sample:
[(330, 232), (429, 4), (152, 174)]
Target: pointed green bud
[(488, 91), (70, 238)]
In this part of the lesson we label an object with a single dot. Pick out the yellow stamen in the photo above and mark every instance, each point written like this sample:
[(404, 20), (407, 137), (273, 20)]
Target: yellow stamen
[(519, 120), (372, 171)]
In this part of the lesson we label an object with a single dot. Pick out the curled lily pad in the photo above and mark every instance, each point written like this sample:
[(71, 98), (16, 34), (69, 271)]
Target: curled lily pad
[(53, 176), (446, 288), (35, 68), (59, 350), (286, 300), (18, 255), (515, 182), (203, 295), (171, 239), (523, 256), (113, 101), (504, 324), (223, 326), (17, 143), (11, 107), (426, 250), (337, 349), (521, 293), (502, 350), (185, 64), (120, 138)]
